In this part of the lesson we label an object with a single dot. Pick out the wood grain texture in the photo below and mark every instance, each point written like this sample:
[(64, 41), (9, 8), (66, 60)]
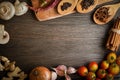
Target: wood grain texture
[(73, 40)]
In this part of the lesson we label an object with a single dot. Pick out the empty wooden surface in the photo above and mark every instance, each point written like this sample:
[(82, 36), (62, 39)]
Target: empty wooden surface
[(73, 40)]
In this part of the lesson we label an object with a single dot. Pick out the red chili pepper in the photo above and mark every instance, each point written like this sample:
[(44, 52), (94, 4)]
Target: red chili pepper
[(51, 5)]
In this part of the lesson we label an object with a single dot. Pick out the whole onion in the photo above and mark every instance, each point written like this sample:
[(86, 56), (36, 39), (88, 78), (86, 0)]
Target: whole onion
[(40, 73)]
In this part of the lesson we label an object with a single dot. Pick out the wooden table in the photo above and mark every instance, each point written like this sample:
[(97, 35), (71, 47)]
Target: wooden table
[(72, 40)]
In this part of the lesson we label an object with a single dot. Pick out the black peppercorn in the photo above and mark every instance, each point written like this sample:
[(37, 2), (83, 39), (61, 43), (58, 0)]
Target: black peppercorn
[(86, 3), (65, 6)]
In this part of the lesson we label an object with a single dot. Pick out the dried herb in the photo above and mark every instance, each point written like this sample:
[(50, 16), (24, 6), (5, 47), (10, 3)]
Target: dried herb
[(86, 3), (65, 6), (102, 14)]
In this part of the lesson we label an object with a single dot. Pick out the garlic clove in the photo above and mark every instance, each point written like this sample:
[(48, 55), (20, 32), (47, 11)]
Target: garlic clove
[(67, 77), (53, 75), (7, 10), (20, 8), (61, 67), (60, 70), (71, 70)]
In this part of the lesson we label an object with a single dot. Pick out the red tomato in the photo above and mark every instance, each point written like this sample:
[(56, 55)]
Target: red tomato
[(114, 69), (82, 71), (93, 66), (118, 60), (111, 57), (101, 73), (91, 76), (109, 77), (104, 64)]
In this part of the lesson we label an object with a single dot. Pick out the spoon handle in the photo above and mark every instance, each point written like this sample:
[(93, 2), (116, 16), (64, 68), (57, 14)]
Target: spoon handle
[(103, 1), (116, 5)]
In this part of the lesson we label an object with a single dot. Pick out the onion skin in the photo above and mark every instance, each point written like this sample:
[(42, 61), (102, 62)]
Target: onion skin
[(40, 73)]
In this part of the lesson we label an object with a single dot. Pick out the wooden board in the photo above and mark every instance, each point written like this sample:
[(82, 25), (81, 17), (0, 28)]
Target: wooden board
[(73, 40), (52, 13)]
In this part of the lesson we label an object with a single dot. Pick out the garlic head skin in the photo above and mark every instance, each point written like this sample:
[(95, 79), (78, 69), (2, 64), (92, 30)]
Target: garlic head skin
[(20, 8), (7, 10)]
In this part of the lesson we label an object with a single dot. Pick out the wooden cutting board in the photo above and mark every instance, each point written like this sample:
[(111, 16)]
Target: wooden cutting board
[(52, 12)]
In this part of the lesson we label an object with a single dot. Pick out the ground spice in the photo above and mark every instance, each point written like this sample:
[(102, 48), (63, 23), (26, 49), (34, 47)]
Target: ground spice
[(86, 4), (102, 14), (65, 6)]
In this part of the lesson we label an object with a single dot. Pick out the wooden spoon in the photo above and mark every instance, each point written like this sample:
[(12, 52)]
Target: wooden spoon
[(96, 2), (112, 9), (67, 5)]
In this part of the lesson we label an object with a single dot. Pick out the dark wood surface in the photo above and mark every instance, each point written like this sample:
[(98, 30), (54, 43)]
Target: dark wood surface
[(72, 40)]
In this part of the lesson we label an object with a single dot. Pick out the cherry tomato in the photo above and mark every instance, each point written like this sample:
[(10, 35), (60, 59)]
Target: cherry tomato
[(93, 66), (118, 60), (114, 69), (83, 71), (109, 77), (101, 73), (97, 79), (111, 57), (104, 64), (91, 76)]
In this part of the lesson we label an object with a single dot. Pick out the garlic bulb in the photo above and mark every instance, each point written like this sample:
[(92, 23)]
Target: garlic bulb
[(7, 10), (20, 8)]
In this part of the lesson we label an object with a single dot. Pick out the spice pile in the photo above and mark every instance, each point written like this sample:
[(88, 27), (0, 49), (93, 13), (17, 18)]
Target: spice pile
[(86, 3), (113, 42), (102, 14)]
